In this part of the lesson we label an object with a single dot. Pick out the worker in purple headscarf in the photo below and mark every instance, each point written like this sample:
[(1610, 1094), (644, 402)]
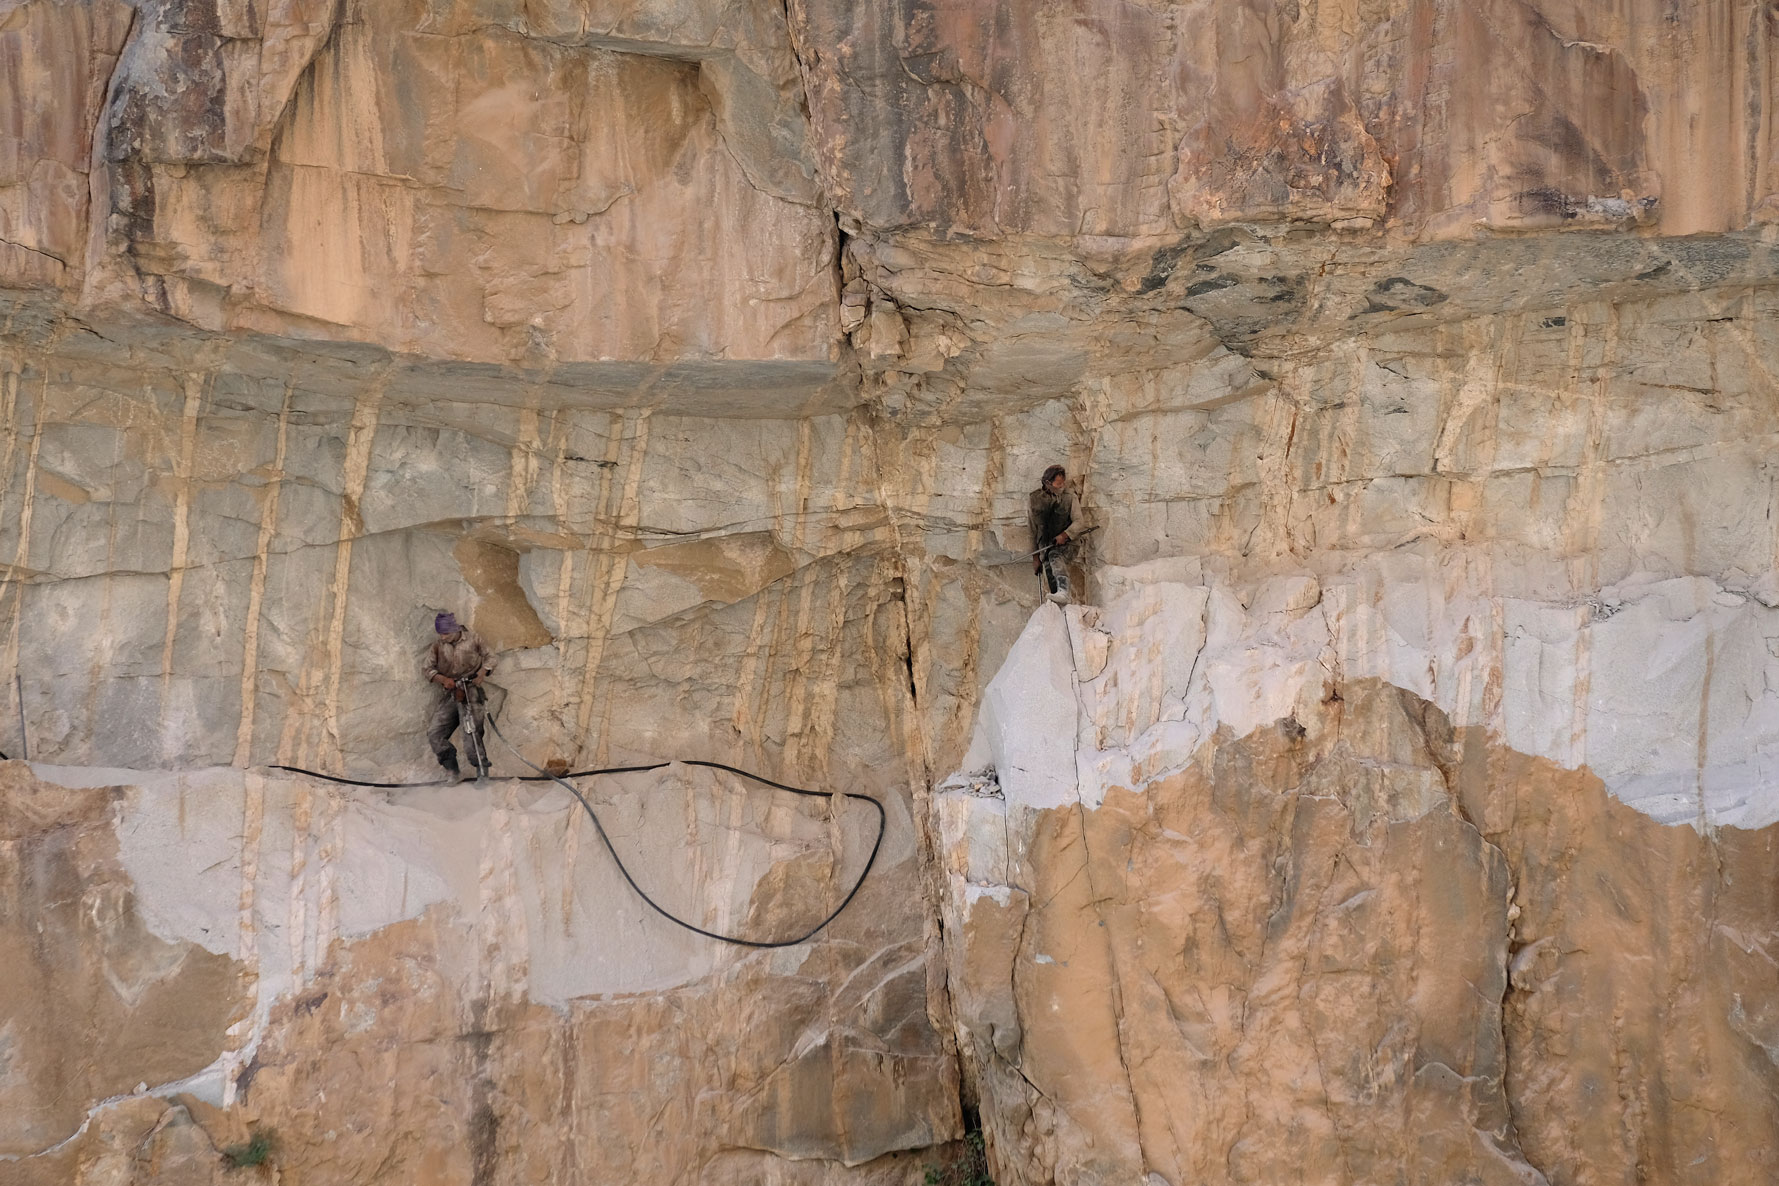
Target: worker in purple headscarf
[(457, 662)]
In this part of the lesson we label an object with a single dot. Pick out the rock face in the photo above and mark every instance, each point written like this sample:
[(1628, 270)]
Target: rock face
[(451, 180), (446, 985), (1129, 119), (1354, 937), (1401, 809)]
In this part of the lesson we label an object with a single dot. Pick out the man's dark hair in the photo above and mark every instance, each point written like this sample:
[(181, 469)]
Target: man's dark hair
[(1054, 472)]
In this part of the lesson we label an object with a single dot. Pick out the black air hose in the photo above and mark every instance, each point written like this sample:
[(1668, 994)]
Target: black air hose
[(543, 775)]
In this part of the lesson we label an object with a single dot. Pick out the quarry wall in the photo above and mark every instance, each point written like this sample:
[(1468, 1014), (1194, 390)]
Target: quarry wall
[(1400, 806)]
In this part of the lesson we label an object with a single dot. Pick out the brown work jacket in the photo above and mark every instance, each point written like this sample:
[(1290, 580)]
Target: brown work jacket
[(1051, 515), (454, 660)]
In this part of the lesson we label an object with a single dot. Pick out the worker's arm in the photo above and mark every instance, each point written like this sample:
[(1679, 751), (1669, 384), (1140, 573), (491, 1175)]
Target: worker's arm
[(432, 669), (484, 660)]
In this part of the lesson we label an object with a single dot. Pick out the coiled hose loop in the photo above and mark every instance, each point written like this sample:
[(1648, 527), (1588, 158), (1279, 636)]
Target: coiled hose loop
[(562, 781)]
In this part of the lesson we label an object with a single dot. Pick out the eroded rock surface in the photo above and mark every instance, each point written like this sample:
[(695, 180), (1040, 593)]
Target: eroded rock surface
[(1353, 937), (1126, 119), (446, 985), (96, 1001), (1414, 359)]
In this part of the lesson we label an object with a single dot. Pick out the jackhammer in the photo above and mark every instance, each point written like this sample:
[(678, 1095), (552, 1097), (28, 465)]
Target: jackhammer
[(471, 699)]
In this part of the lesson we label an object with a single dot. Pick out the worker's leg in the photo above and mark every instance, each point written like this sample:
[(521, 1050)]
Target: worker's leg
[(1056, 570), (475, 734), (439, 730), (1075, 574), (1073, 565)]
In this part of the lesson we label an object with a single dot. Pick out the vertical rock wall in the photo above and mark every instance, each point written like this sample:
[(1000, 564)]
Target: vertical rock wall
[(230, 565), (1403, 811), (1343, 937), (456, 984)]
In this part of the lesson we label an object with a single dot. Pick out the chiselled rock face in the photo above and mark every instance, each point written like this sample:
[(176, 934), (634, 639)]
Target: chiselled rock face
[(436, 984), (1350, 938), (1401, 808)]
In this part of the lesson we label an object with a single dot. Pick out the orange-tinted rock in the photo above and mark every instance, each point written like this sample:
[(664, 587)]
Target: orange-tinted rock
[(1300, 959), (55, 62), (322, 315), (1144, 119), (466, 185), (1643, 1016), (431, 990), (92, 1002)]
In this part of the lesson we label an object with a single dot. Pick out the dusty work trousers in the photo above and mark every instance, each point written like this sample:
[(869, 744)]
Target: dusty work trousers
[(1062, 572), (447, 714)]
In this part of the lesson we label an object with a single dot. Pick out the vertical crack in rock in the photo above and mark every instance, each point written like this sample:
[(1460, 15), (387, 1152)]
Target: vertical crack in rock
[(1379, 473), (606, 564), (20, 571), (196, 386), (1096, 899), (14, 584), (1446, 751), (483, 1130), (269, 495), (940, 1006), (360, 439)]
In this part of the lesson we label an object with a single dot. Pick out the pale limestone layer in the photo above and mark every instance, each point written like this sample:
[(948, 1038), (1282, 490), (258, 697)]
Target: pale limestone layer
[(1239, 917), (259, 557), (1535, 520), (376, 977), (741, 573), (1621, 684), (702, 353)]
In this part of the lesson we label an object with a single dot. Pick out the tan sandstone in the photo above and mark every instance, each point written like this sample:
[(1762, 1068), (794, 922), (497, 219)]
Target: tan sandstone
[(1400, 810)]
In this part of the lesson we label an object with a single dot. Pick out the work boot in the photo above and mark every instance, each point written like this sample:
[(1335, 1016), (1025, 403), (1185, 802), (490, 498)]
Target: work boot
[(452, 774), (1060, 593)]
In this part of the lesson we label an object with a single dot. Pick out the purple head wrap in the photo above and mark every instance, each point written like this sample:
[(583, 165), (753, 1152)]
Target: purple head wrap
[(445, 623)]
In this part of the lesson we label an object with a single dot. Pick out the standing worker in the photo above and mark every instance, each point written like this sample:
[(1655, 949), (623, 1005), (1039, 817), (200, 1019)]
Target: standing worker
[(1056, 524), (457, 662)]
